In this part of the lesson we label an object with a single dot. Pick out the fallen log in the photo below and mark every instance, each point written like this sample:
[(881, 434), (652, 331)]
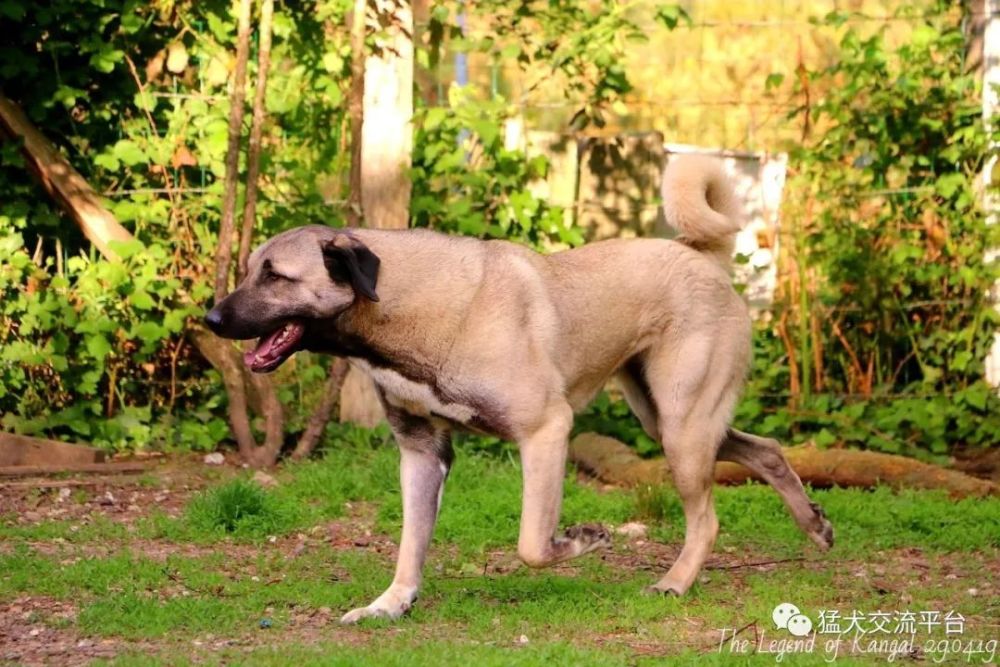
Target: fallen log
[(115, 468), (117, 480), (23, 450), (614, 462)]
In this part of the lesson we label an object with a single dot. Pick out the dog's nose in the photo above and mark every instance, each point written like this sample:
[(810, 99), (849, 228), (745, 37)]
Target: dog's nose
[(214, 320)]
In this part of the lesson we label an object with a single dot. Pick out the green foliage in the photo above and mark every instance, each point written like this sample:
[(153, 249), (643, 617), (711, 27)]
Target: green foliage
[(611, 416), (80, 346), (466, 181), (136, 94), (887, 247), (885, 235), (464, 178), (242, 508), (575, 47)]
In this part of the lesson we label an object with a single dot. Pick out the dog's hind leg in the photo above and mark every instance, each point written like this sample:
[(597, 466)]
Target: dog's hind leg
[(763, 456), (543, 463), (425, 458), (693, 388)]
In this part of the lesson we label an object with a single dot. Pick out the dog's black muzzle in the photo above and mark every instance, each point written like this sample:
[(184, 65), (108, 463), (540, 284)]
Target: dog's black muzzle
[(214, 321), (229, 319)]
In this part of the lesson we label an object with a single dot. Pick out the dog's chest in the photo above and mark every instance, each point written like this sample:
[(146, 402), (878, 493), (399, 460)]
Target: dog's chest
[(416, 398)]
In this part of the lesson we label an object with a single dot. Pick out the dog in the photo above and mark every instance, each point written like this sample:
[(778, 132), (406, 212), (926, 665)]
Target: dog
[(492, 337)]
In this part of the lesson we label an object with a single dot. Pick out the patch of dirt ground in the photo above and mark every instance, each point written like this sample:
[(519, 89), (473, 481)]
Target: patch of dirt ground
[(38, 630), (166, 487)]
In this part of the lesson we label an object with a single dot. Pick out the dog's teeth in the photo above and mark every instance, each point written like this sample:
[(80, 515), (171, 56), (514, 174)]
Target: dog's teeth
[(285, 333)]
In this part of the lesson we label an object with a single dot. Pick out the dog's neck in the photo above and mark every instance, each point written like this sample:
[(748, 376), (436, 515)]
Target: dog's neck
[(411, 329), (369, 332)]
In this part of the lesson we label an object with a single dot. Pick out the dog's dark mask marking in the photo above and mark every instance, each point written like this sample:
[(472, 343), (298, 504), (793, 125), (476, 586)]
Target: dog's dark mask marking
[(350, 261)]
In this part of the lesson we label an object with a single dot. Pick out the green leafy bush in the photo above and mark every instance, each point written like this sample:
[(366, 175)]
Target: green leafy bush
[(882, 319), (466, 181), (81, 352), (883, 322), (610, 415), (137, 96)]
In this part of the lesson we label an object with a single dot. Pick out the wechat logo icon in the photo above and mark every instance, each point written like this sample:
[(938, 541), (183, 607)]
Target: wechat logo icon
[(787, 616)]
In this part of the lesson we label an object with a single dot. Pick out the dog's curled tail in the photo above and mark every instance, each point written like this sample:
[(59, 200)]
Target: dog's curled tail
[(700, 203)]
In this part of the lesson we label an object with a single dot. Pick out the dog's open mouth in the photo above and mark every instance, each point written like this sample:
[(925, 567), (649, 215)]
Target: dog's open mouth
[(272, 350)]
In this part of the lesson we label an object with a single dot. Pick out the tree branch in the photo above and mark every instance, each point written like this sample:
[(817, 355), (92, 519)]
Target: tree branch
[(226, 359), (317, 422), (224, 252), (256, 129), (62, 181)]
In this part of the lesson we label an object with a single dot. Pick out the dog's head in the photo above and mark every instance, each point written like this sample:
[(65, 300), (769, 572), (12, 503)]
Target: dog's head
[(296, 280)]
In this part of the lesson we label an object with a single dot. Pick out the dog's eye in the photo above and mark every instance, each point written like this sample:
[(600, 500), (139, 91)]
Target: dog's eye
[(272, 276), (268, 274)]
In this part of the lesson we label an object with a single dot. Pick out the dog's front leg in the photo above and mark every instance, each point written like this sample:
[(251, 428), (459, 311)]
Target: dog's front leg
[(425, 457), (543, 463)]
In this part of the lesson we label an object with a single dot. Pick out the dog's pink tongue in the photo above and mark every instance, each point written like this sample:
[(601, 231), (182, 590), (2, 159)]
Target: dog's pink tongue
[(265, 345)]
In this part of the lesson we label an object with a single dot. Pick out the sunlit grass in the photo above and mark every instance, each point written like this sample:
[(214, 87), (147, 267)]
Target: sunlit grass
[(587, 612)]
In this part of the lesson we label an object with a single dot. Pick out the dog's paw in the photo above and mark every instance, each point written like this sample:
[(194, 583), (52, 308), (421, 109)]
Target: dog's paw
[(822, 531), (361, 613), (665, 587), (391, 605), (588, 537)]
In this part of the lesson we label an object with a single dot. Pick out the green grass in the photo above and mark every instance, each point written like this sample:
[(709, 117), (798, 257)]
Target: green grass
[(401, 652), (240, 507), (482, 504), (100, 528), (586, 612)]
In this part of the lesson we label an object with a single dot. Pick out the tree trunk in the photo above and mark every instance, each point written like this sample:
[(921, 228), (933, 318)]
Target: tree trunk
[(239, 386), (225, 358), (62, 181), (974, 27), (321, 415), (355, 110), (387, 135), (386, 143)]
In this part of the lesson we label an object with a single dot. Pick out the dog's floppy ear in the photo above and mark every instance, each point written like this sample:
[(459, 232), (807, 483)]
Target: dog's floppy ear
[(349, 260)]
